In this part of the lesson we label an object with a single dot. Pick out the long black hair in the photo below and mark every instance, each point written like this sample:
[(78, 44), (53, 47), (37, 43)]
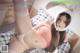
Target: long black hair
[(58, 36)]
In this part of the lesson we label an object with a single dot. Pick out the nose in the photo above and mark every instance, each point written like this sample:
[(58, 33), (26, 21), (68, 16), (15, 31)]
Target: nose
[(61, 24)]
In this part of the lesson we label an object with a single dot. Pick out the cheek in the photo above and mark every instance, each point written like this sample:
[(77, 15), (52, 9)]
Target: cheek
[(63, 25)]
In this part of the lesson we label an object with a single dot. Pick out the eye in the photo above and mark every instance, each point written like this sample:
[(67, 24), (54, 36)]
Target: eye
[(58, 21)]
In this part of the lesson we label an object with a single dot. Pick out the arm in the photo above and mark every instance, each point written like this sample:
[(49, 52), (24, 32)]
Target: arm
[(27, 38), (16, 45)]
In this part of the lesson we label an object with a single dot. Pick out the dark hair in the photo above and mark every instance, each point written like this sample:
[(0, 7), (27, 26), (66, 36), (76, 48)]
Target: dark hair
[(68, 17), (57, 38), (54, 39)]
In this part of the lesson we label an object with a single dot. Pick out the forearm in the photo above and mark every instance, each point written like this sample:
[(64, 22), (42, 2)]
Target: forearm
[(23, 24), (22, 16)]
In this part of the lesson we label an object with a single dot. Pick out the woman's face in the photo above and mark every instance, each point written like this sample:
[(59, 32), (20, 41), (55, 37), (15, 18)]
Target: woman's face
[(60, 24)]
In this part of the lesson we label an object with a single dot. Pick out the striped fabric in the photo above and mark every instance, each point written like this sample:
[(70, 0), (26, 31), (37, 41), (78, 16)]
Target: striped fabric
[(64, 48), (39, 18)]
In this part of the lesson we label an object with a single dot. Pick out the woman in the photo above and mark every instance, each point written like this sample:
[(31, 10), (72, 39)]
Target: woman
[(37, 39), (59, 39), (62, 22), (28, 40), (32, 39)]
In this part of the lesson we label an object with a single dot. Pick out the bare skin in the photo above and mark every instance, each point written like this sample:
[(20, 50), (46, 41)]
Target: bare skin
[(28, 38)]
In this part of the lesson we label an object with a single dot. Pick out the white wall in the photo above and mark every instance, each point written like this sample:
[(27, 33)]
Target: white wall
[(75, 23), (40, 3)]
